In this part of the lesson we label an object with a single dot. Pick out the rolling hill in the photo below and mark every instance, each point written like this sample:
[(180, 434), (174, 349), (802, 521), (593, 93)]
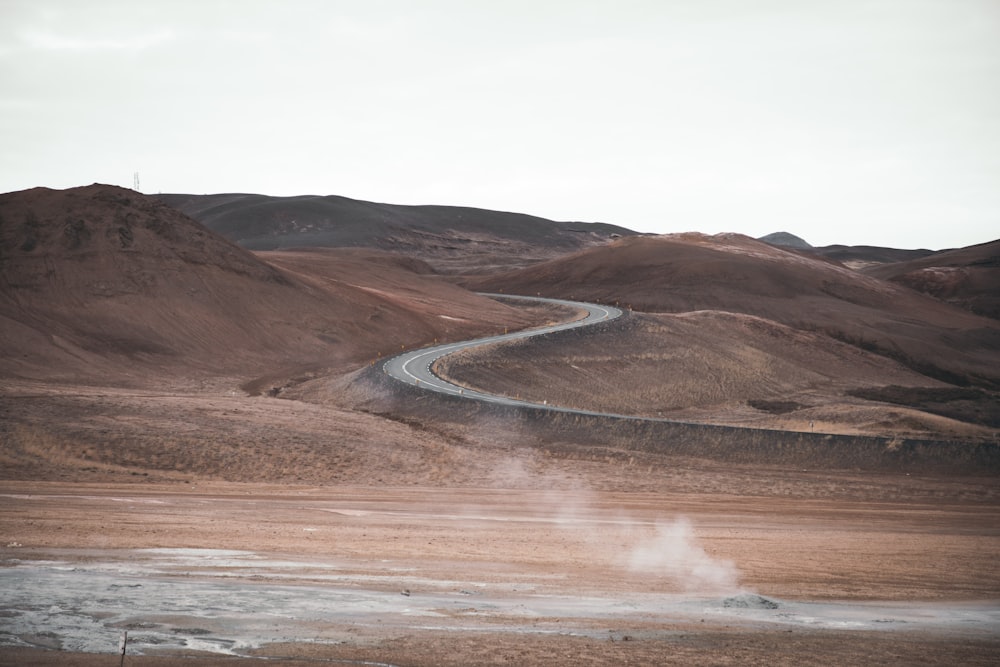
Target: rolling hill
[(727, 321), (965, 277), (452, 239), (103, 285), (862, 257), (126, 313)]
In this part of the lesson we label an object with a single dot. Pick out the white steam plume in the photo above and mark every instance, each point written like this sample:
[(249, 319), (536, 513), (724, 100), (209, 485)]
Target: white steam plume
[(672, 552)]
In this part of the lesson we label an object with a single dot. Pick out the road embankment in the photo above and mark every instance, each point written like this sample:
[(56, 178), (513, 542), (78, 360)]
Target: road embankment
[(407, 387), (561, 431)]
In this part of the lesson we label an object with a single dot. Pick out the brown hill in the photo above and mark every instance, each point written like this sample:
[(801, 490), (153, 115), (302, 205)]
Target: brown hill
[(775, 321), (451, 238), (734, 369), (866, 256), (966, 277), (104, 285)]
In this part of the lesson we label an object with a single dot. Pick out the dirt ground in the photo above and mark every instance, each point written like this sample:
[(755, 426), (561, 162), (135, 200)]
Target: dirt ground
[(565, 575), (185, 455), (222, 529)]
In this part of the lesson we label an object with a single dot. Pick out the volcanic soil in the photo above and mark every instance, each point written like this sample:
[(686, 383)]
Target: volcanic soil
[(967, 277), (241, 485), (730, 330)]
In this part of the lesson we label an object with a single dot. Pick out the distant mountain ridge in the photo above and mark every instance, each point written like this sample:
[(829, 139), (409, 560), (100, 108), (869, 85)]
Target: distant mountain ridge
[(461, 240), (450, 238)]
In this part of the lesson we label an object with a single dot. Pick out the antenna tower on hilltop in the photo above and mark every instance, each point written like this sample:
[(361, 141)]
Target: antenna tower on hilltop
[(135, 181)]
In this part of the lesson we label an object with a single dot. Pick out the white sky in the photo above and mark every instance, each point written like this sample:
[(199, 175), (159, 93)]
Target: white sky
[(843, 121)]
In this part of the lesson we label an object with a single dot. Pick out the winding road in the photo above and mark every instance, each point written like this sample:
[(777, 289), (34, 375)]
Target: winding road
[(414, 367)]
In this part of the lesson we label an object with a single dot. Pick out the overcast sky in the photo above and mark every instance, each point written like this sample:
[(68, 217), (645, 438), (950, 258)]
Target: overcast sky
[(842, 121)]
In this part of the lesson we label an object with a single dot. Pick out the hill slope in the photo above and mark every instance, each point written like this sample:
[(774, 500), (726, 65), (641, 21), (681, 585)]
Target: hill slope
[(775, 295), (864, 256), (966, 277), (726, 368), (453, 239), (106, 285)]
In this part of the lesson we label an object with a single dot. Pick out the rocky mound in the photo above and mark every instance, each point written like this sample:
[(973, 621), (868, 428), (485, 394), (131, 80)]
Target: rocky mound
[(451, 238), (786, 240), (749, 601)]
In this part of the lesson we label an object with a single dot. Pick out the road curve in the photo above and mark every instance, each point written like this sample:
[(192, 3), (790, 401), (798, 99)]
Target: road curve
[(414, 368)]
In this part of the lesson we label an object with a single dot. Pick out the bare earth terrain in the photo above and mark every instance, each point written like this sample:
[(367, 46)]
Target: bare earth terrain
[(197, 447), (512, 551), (564, 575)]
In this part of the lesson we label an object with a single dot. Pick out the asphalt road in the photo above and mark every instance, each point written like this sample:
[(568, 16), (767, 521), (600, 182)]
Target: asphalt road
[(414, 367)]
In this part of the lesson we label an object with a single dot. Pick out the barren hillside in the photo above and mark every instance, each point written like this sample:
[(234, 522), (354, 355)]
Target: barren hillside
[(104, 285), (966, 277), (727, 368), (862, 257), (452, 239), (733, 273), (736, 331)]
